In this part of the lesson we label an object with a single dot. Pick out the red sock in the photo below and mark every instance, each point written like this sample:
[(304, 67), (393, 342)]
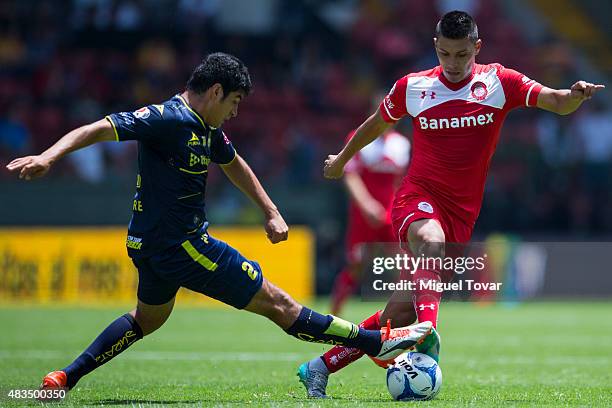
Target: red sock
[(344, 286), (339, 357), (426, 301)]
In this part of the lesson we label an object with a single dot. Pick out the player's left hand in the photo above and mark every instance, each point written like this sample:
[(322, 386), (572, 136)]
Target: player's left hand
[(276, 228), (30, 166), (584, 90)]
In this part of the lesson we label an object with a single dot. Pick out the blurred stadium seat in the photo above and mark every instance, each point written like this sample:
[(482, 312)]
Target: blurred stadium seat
[(66, 63)]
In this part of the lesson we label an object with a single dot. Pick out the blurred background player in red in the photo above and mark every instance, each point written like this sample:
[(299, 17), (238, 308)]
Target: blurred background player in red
[(371, 178)]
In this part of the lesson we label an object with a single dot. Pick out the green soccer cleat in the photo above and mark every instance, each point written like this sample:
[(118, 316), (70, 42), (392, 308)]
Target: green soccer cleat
[(431, 345), (315, 381)]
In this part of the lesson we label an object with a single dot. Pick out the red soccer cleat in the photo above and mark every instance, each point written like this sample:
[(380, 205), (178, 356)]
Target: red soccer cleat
[(53, 387), (54, 380)]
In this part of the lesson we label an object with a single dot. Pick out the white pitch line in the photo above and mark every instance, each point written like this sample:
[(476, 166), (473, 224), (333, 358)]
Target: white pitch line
[(161, 355), (566, 359), (298, 357)]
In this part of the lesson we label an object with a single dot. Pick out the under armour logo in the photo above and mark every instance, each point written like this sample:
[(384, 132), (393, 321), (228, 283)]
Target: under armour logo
[(424, 306), (432, 94)]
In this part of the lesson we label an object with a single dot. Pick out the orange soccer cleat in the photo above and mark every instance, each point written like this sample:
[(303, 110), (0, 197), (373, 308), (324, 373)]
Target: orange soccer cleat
[(54, 380), (396, 341), (53, 386)]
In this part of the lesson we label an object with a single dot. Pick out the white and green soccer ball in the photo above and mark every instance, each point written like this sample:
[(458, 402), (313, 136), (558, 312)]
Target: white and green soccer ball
[(414, 376)]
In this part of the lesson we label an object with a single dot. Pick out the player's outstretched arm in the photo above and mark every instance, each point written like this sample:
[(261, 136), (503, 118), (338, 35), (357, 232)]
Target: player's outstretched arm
[(241, 175), (566, 101), (30, 167), (369, 130)]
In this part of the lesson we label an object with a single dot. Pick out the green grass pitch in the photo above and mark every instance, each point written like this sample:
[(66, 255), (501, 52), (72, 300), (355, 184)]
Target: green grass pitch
[(541, 354)]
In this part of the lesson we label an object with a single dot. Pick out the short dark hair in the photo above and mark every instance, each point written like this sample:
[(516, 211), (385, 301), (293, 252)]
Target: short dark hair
[(223, 69), (457, 25)]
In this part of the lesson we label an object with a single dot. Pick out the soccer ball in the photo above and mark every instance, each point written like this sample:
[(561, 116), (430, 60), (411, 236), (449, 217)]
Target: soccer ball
[(414, 376)]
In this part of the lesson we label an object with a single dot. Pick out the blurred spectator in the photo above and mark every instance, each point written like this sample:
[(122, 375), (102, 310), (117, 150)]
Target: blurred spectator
[(593, 127), (557, 145), (301, 156), (64, 64), (14, 136), (12, 51), (89, 163), (92, 14), (194, 14), (128, 15), (469, 6)]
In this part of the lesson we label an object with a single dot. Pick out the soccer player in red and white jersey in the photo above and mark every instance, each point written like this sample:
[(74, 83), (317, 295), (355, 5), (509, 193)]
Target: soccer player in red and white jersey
[(457, 110), (371, 178)]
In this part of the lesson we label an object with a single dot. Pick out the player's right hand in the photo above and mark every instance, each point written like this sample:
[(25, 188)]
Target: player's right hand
[(30, 166), (583, 90), (333, 169)]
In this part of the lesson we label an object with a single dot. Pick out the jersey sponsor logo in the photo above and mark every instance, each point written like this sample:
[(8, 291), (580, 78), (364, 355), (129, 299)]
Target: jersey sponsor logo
[(425, 207), (479, 91), (127, 118), (133, 242), (457, 122), (345, 353), (388, 102), (142, 113), (160, 108), (195, 159), (311, 339), (137, 206), (128, 338), (227, 141), (431, 94), (194, 141)]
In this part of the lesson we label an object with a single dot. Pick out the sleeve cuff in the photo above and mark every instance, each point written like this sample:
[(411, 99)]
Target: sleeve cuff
[(531, 99), (114, 127), (385, 114), (231, 161)]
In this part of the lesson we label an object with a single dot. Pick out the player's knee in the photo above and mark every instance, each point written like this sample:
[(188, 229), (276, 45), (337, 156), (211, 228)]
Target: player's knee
[(148, 324), (432, 249), (151, 318), (427, 240)]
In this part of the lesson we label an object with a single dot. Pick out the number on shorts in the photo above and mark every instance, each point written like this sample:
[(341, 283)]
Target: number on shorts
[(249, 270)]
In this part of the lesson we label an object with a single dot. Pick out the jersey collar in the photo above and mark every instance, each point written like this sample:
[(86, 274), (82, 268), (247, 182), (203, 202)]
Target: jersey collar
[(455, 86), (196, 114)]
